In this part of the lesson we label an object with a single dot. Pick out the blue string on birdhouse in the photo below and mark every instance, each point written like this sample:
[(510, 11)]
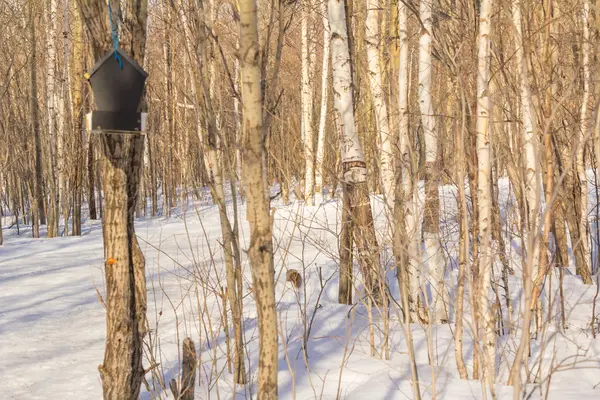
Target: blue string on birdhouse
[(114, 36)]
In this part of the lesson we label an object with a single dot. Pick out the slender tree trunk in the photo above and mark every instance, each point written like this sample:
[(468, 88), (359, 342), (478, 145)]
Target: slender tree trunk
[(484, 185), (374, 43), (307, 103), (53, 215), (91, 179), (403, 170), (61, 142), (346, 247), (320, 167), (260, 252), (463, 245), (410, 190), (239, 140), (596, 133), (532, 194), (38, 212), (431, 223), (78, 67), (583, 137)]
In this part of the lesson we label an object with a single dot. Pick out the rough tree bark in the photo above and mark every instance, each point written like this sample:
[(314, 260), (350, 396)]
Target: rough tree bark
[(260, 251), (121, 161)]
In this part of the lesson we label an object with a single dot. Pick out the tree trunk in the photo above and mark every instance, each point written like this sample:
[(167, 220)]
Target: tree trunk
[(122, 371), (353, 161), (53, 215), (532, 193), (121, 162), (403, 171), (307, 104), (484, 185), (260, 252), (410, 194), (77, 95), (91, 179), (583, 137), (38, 213), (374, 43), (239, 140), (320, 167), (346, 251), (61, 137), (431, 223), (463, 244)]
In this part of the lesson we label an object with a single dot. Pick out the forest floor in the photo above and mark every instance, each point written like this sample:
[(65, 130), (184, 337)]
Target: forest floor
[(52, 319)]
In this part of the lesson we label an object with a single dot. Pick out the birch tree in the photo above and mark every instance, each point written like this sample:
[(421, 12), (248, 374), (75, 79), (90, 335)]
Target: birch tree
[(584, 134), (307, 102), (353, 160), (61, 123), (431, 223), (51, 116), (484, 185), (403, 208), (260, 252), (410, 190), (532, 190), (373, 43), (319, 170)]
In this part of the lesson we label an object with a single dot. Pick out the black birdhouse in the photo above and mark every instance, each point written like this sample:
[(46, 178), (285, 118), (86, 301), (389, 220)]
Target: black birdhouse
[(118, 85)]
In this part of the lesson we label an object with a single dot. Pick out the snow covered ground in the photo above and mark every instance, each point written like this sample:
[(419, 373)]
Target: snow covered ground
[(52, 321)]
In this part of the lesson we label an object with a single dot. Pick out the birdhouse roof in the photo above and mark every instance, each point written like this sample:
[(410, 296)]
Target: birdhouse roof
[(124, 58)]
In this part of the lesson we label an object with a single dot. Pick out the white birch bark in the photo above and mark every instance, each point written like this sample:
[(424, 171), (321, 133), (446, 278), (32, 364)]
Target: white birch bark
[(307, 104), (324, 97), (430, 236), (584, 132), (411, 198), (532, 176), (484, 176), (373, 43), (425, 82), (351, 150), (60, 118), (51, 110)]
